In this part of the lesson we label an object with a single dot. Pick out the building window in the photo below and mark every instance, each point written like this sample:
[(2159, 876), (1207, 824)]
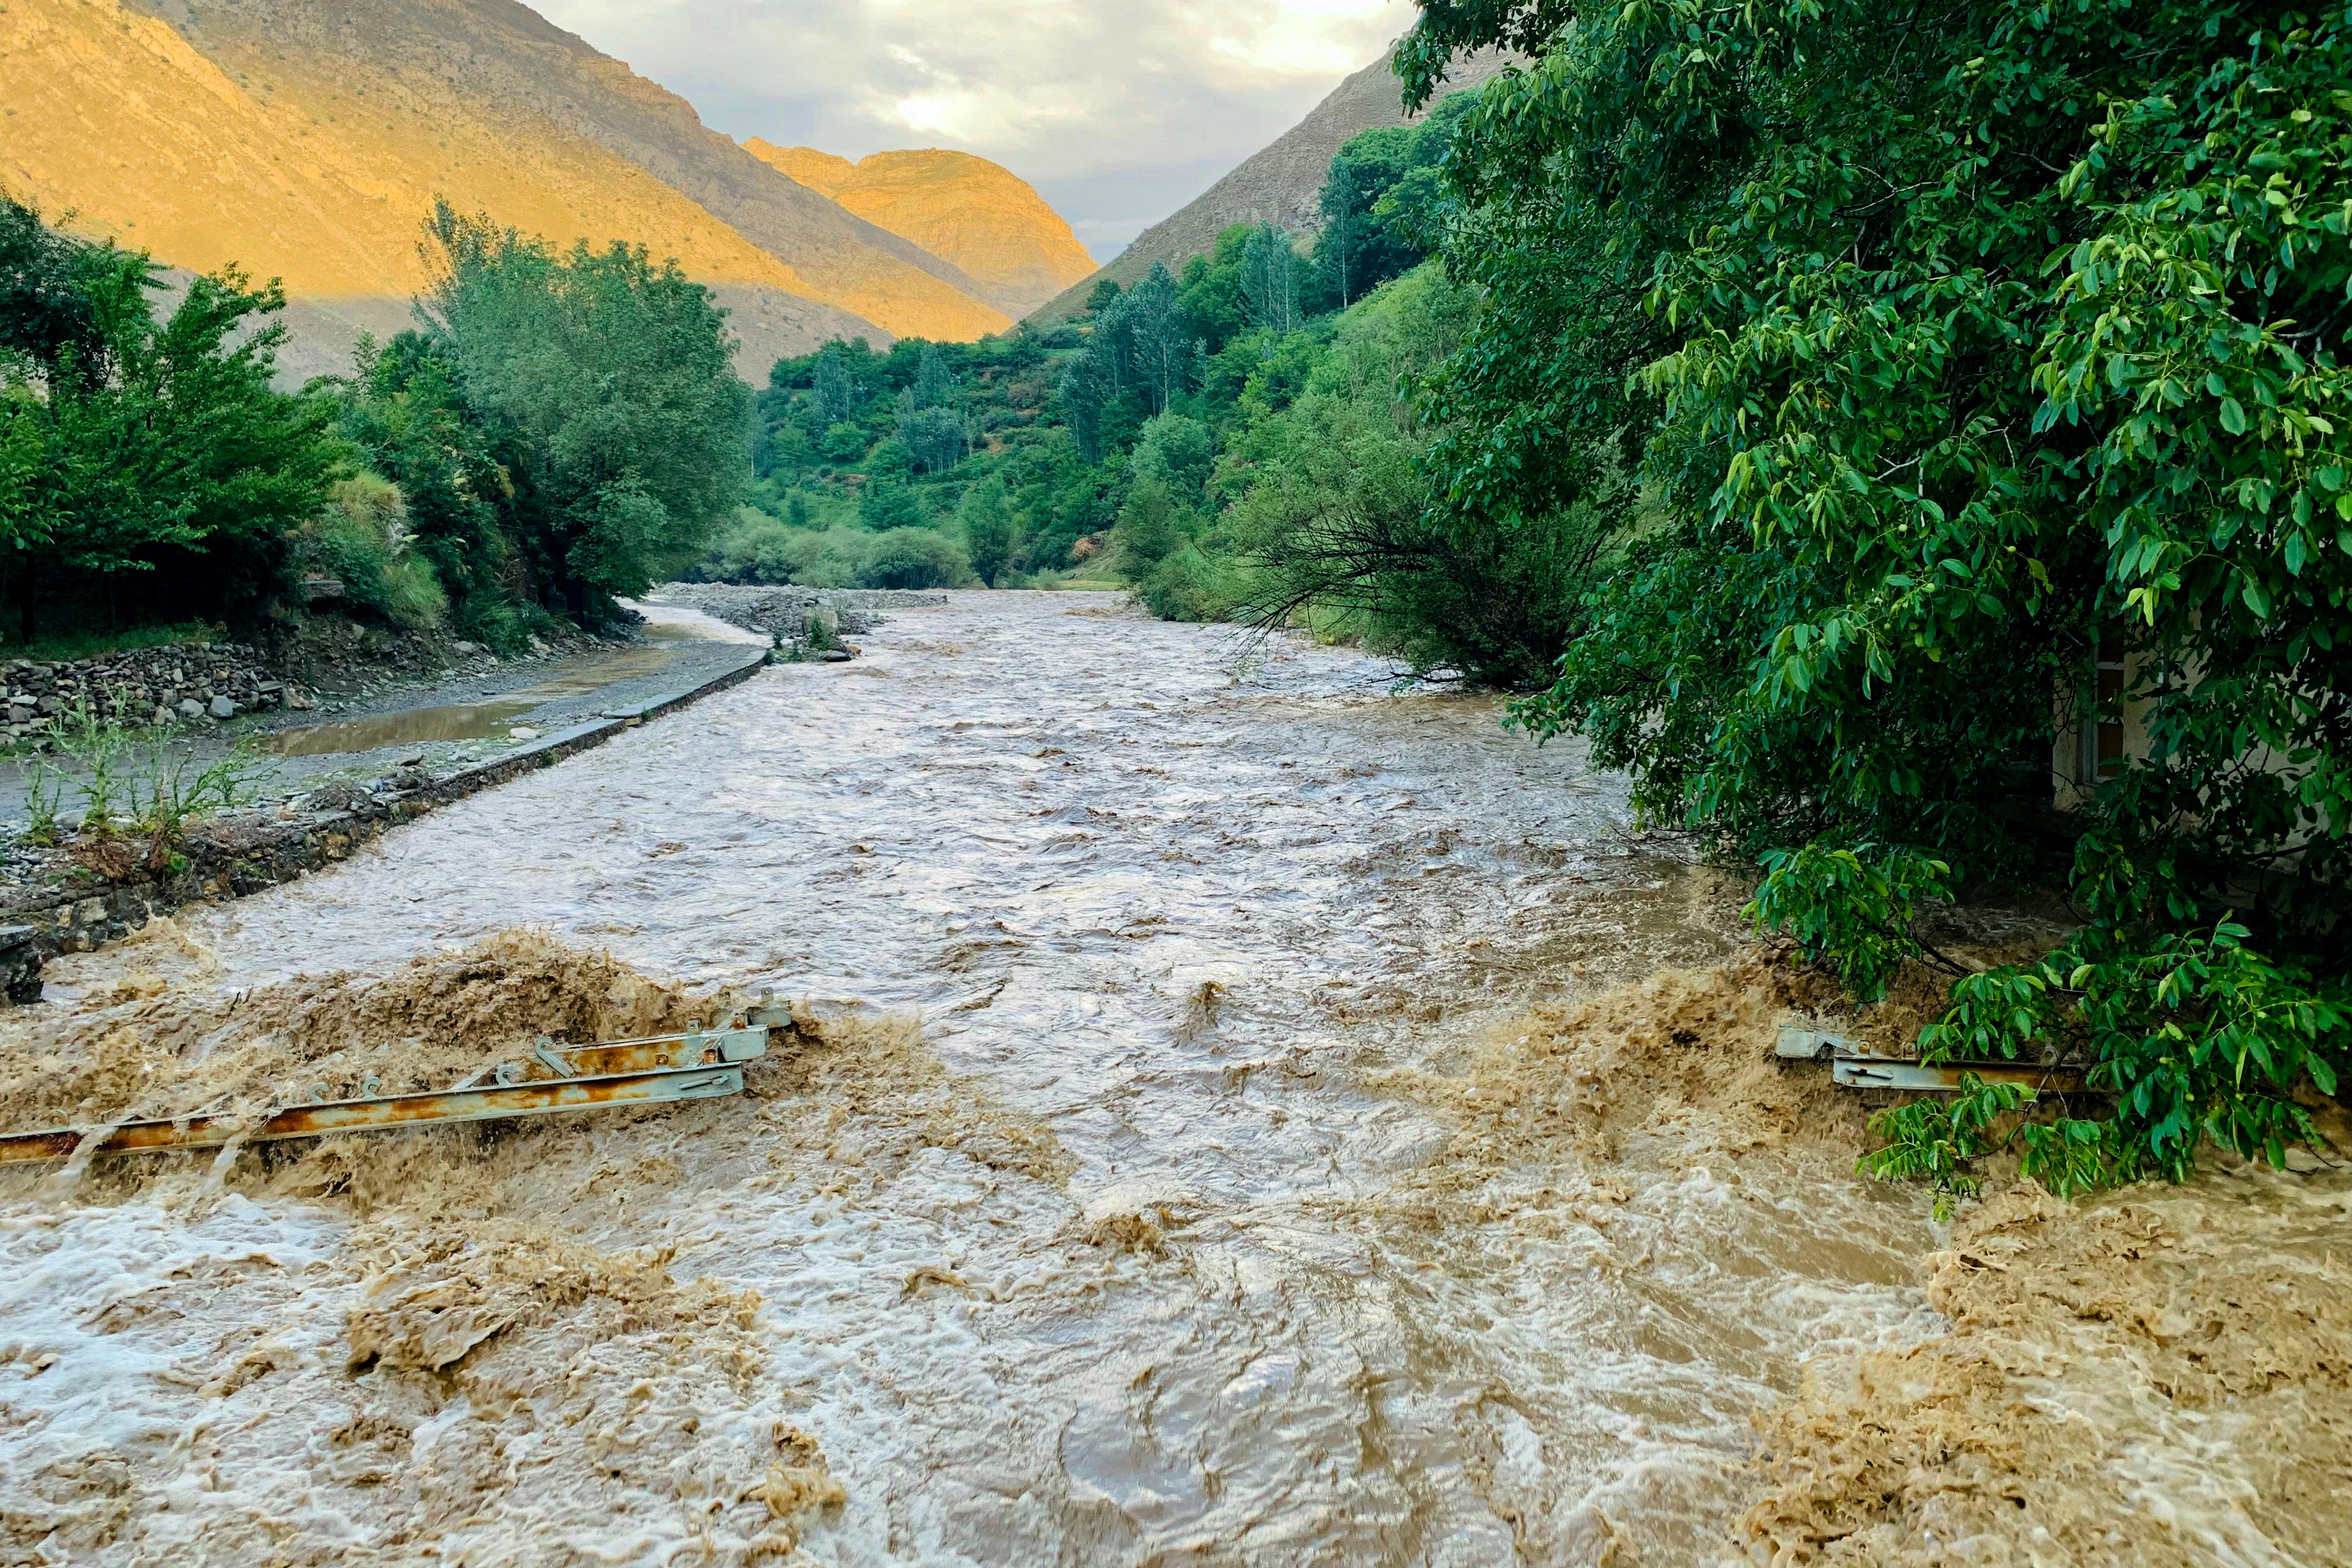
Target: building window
[(2103, 726)]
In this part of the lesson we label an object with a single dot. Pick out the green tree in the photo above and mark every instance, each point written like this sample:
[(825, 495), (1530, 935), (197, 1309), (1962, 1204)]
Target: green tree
[(612, 378), (935, 385), (935, 438), (1211, 291), (985, 519), (887, 504), (1269, 279), (1964, 360), (845, 442), (1150, 529), (838, 396), (1144, 342), (930, 426), (1088, 386), (1333, 518), (890, 460), (1384, 202), (1175, 452), (913, 558), (404, 409), (129, 444)]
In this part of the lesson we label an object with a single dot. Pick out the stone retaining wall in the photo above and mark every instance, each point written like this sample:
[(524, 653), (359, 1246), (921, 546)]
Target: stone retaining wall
[(177, 682)]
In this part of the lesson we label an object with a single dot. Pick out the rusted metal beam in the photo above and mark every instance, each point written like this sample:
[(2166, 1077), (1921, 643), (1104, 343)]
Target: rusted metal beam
[(699, 1049), (1852, 1066), (700, 1065), (1944, 1077)]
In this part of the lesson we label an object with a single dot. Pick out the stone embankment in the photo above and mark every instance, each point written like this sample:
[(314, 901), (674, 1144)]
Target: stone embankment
[(340, 661), (179, 682), (326, 664), (786, 611)]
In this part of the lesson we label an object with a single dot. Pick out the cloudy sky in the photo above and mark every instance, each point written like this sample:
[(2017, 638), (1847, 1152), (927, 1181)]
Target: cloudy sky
[(1119, 110)]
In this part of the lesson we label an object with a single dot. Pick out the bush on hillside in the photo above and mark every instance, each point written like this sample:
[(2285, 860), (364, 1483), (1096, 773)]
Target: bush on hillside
[(914, 558)]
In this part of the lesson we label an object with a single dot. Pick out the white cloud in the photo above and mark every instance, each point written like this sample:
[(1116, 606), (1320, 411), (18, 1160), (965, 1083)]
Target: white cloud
[(1113, 108)]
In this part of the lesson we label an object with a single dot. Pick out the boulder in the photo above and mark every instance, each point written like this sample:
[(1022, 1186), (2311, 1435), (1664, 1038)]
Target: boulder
[(222, 708), (191, 709)]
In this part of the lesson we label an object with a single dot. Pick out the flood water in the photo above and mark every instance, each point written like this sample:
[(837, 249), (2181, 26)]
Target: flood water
[(468, 721), (1195, 914)]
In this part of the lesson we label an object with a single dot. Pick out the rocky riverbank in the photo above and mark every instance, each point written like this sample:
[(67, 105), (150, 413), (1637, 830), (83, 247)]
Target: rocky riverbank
[(326, 665), (344, 662), (178, 682), (793, 615)]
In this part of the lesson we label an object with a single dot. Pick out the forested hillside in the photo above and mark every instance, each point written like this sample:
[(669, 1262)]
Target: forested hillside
[(1232, 440), (1280, 184)]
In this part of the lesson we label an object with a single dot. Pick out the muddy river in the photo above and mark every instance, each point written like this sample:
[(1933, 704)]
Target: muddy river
[(1191, 1159)]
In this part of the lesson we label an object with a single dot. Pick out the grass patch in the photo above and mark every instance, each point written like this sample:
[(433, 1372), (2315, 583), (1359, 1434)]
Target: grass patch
[(93, 645)]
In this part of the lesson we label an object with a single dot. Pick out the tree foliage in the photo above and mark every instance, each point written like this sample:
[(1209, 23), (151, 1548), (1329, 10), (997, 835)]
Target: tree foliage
[(1383, 203), (985, 519), (608, 381), (930, 427), (406, 411), (1142, 347), (1954, 347), (837, 391), (139, 447), (1269, 279)]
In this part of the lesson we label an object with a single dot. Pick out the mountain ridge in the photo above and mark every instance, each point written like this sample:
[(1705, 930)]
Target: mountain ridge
[(1281, 182), (961, 207), (305, 140)]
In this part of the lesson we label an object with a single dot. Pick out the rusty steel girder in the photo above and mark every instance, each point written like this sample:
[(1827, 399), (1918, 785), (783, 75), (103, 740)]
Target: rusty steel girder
[(1944, 1077), (697, 1065)]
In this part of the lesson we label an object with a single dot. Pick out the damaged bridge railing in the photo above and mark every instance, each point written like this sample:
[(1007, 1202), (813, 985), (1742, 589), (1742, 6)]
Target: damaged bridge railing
[(1850, 1066), (551, 1077)]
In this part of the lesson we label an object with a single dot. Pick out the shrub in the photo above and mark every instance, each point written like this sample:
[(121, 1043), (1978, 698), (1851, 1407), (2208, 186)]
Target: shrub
[(985, 519), (887, 504), (1189, 586), (843, 443), (361, 539), (914, 558)]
